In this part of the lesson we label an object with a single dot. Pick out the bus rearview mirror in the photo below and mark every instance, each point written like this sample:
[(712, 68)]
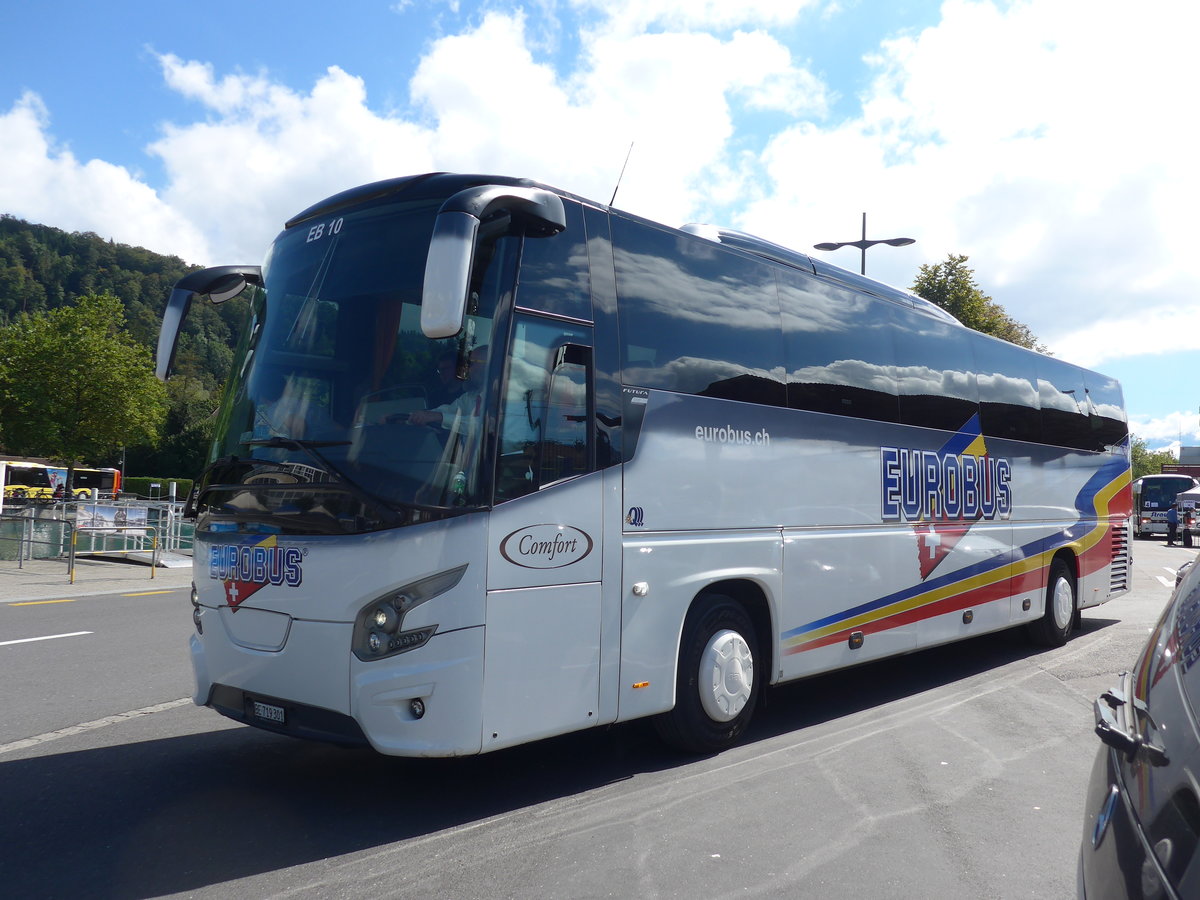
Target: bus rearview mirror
[(456, 235), (218, 284)]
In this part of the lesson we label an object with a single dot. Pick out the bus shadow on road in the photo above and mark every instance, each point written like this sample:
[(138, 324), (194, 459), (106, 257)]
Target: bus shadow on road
[(183, 814), (180, 814), (822, 698)]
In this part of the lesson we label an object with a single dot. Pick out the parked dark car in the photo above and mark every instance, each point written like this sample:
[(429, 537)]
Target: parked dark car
[(1143, 803)]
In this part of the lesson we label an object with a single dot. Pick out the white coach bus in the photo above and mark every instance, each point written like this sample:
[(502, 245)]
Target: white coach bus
[(1153, 495), (497, 463)]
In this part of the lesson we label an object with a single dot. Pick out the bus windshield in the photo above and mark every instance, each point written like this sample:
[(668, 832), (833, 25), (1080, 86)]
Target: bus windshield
[(1159, 493), (340, 415)]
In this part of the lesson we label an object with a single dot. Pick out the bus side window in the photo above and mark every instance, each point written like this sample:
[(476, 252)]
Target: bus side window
[(1008, 396), (935, 372), (554, 270), (696, 317), (1106, 411), (1064, 405), (840, 357), (545, 411)]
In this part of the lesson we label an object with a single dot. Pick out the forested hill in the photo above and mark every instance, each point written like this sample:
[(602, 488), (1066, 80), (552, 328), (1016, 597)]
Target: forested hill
[(44, 268)]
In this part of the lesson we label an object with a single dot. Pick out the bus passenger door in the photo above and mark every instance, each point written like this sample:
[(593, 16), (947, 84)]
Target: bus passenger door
[(543, 627)]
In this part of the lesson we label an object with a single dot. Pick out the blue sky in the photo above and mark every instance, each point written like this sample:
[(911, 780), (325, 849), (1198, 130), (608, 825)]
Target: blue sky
[(1043, 139)]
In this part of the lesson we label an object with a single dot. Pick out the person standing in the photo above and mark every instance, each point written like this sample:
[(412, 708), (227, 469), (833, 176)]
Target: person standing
[(1172, 524)]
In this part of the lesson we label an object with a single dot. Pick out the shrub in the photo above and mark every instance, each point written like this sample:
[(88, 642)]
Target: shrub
[(143, 486)]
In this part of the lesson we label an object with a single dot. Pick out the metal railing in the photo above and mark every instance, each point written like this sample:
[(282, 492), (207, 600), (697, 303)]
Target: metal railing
[(29, 533), (53, 531), (138, 531)]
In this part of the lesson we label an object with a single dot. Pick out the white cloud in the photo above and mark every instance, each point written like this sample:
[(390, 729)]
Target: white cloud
[(626, 17), (45, 183), (269, 151), (671, 94), (1045, 139), (262, 150), (1168, 330), (1167, 431)]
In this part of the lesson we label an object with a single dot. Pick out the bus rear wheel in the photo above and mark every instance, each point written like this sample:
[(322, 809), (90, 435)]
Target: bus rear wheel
[(716, 688), (1054, 627)]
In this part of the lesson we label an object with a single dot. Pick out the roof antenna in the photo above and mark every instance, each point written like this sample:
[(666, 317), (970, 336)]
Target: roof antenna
[(622, 175)]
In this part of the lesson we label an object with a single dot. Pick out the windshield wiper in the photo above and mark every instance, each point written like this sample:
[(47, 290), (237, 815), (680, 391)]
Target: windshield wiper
[(312, 449)]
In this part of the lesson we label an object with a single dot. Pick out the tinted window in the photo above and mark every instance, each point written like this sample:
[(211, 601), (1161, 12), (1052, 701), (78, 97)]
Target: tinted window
[(1008, 394), (935, 372), (839, 349), (28, 477), (1106, 410), (606, 362), (1159, 492), (554, 270), (696, 317), (1063, 399), (544, 424)]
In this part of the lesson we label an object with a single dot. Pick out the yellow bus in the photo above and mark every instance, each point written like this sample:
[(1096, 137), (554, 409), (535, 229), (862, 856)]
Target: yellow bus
[(39, 479)]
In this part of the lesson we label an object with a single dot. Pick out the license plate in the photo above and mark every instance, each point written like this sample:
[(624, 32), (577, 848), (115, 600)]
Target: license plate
[(268, 712)]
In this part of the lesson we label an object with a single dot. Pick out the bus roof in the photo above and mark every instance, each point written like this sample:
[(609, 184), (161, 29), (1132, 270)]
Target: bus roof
[(794, 258)]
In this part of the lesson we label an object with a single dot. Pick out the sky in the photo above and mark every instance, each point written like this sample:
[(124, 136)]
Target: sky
[(1049, 141)]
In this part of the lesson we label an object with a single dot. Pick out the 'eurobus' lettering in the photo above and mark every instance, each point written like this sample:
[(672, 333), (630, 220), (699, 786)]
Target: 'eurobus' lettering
[(727, 434), (257, 565), (924, 485)]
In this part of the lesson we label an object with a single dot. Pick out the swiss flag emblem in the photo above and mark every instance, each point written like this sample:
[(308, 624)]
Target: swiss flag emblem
[(237, 591), (937, 537), (935, 540)]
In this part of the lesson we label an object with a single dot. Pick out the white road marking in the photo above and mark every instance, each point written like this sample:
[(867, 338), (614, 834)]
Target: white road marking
[(1166, 582), (49, 637), (70, 730)]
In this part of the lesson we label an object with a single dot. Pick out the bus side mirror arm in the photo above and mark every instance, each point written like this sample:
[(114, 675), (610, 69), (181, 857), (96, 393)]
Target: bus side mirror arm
[(456, 233), (216, 285)]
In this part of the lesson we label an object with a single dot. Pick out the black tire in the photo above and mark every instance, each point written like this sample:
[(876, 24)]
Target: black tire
[(713, 709), (1062, 608)]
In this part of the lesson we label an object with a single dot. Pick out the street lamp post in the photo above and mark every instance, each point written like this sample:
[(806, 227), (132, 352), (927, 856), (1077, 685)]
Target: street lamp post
[(864, 244)]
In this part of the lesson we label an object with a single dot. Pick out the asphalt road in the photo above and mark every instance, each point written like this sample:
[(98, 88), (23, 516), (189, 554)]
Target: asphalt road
[(957, 772)]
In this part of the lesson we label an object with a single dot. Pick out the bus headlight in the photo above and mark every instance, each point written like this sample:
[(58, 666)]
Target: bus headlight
[(379, 628), (386, 618)]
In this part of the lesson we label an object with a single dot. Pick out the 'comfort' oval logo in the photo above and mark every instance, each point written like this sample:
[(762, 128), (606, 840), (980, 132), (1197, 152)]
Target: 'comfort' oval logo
[(546, 546)]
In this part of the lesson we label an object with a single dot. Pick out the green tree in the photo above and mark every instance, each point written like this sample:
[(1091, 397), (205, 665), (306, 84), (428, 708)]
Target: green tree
[(188, 432), (1145, 461), (75, 386), (951, 285)]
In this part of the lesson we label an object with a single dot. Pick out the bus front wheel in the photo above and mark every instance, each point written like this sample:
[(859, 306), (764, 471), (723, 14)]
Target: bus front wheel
[(716, 686), (1054, 627)]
